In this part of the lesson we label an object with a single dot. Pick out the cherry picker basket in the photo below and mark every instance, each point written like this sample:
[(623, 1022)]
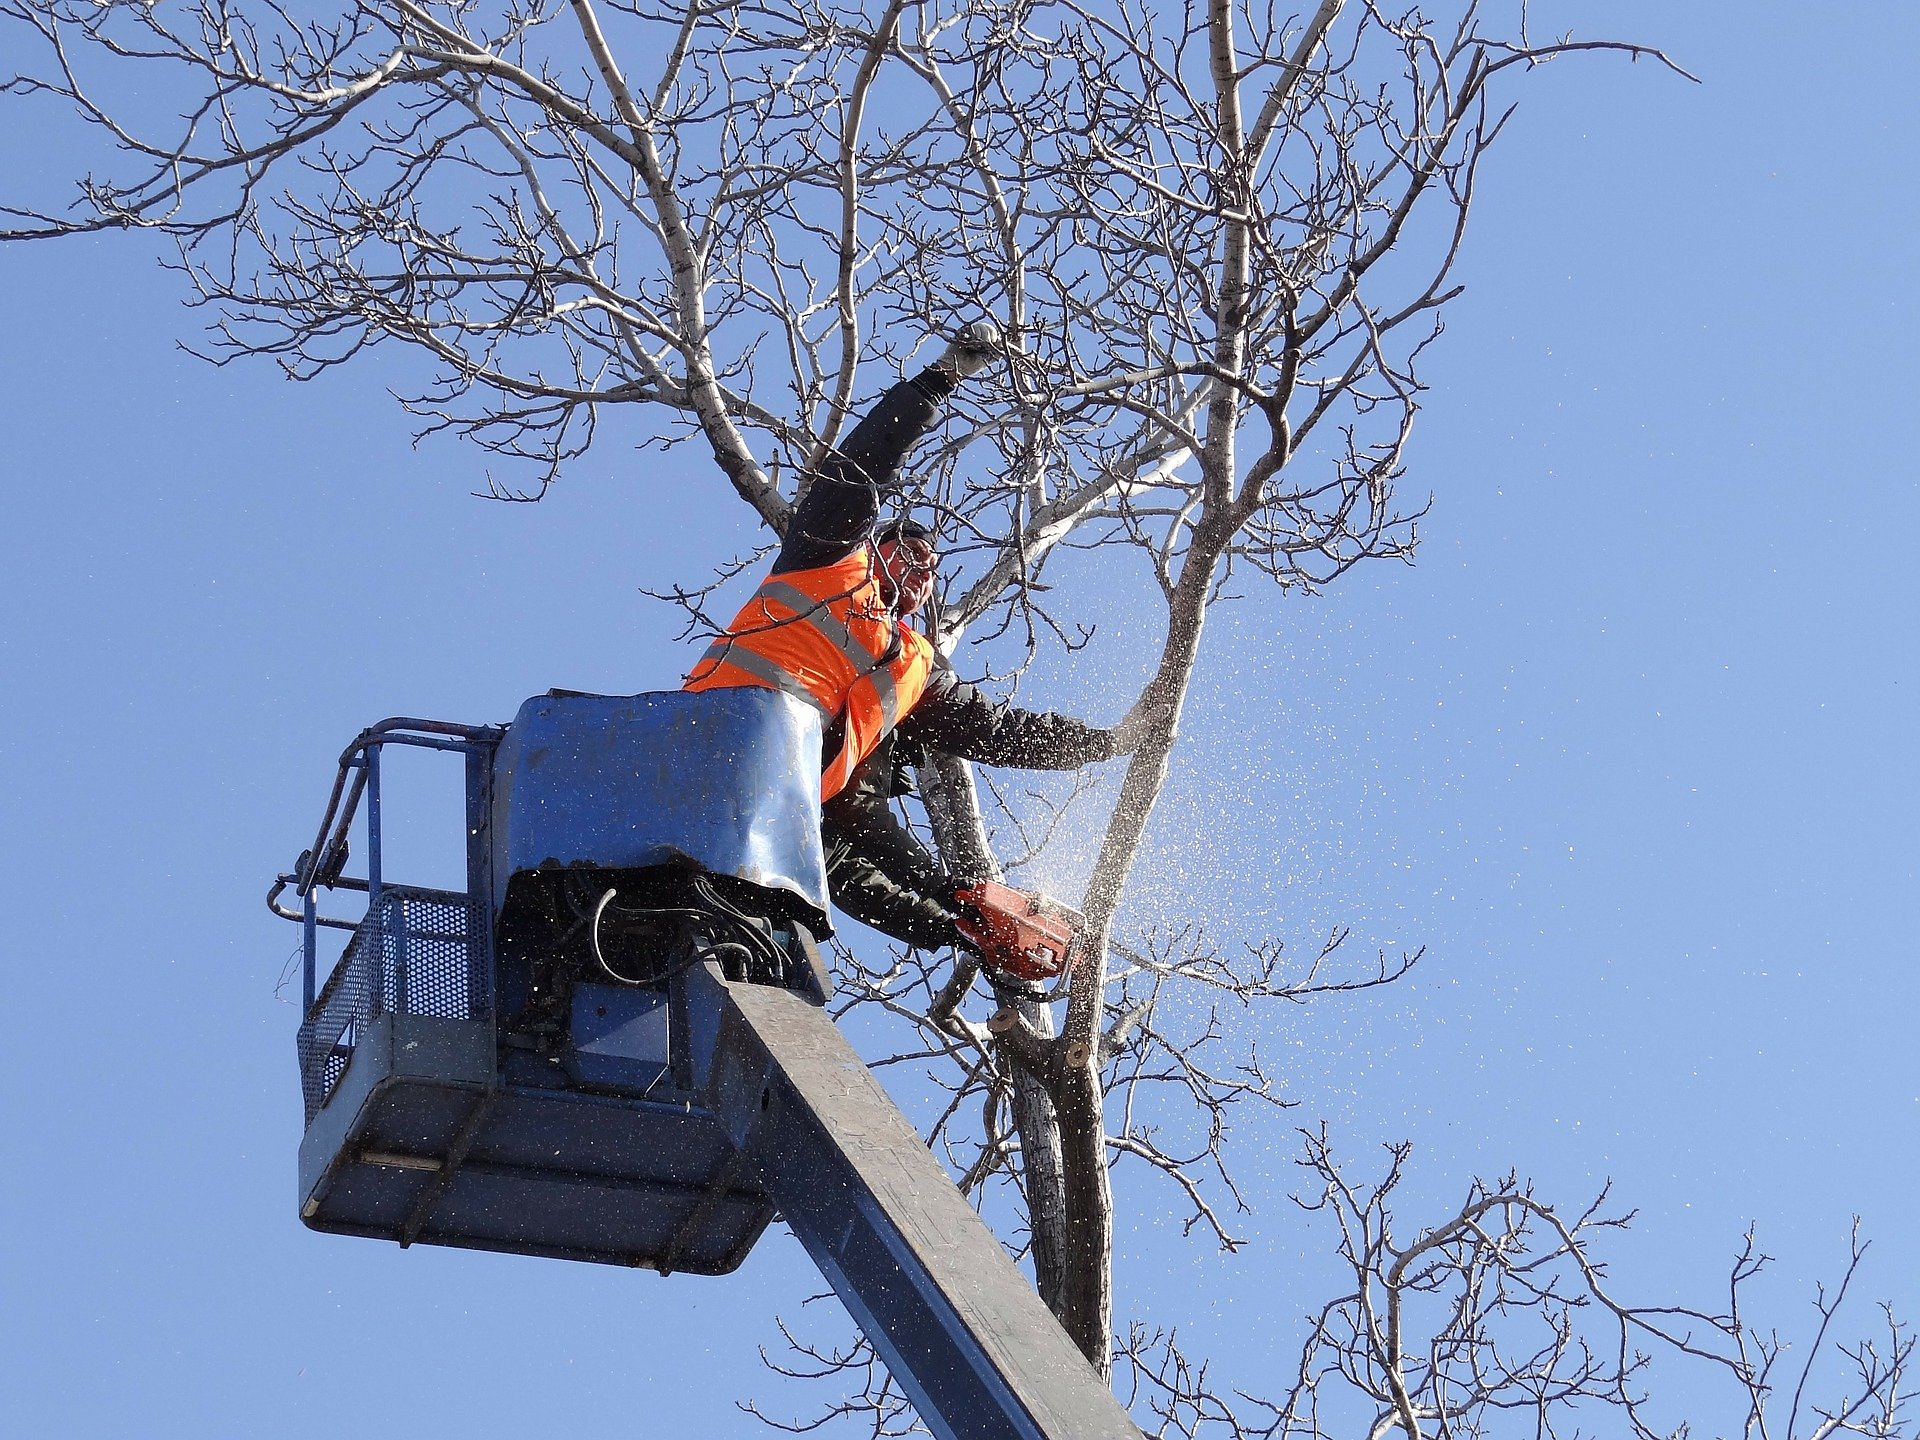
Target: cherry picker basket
[(502, 1068)]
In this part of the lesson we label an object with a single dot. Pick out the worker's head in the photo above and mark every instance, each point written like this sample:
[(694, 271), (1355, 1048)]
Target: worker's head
[(907, 563)]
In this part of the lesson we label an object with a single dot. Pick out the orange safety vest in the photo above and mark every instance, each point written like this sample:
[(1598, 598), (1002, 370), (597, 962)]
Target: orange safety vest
[(823, 636)]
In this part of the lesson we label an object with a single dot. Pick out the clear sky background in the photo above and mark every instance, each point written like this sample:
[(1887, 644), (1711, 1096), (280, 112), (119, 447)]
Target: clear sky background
[(1630, 751)]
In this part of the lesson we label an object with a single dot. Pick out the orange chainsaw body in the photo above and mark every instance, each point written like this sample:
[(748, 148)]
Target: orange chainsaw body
[(1021, 933)]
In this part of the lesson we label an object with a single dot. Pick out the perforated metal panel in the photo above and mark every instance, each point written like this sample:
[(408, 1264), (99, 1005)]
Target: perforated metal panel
[(425, 949), (417, 952)]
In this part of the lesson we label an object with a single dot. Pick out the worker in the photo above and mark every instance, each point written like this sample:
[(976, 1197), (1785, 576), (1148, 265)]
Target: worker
[(829, 626)]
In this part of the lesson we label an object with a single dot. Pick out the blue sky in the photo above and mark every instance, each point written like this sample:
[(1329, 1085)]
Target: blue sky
[(1630, 751)]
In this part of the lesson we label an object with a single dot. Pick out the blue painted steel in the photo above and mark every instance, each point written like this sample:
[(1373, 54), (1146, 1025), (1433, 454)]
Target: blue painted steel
[(479, 807), (370, 763), (423, 1128), (620, 1036), (309, 947), (726, 779), (959, 1328), (394, 1155)]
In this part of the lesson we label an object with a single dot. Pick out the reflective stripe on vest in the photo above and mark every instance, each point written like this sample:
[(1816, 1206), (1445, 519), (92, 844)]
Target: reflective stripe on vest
[(798, 635), (724, 652)]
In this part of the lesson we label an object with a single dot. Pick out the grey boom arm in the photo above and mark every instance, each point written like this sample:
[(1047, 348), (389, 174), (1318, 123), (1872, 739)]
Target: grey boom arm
[(957, 1324)]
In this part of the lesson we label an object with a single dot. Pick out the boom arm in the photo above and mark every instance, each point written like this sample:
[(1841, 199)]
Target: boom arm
[(957, 1324)]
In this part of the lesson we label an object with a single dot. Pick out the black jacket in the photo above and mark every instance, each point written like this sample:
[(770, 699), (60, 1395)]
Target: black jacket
[(876, 871), (841, 506)]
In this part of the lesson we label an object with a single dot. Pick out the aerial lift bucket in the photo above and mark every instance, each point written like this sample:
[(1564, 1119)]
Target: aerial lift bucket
[(472, 1074)]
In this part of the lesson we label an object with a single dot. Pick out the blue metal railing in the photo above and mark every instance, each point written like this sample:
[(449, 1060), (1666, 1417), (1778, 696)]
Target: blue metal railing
[(321, 867)]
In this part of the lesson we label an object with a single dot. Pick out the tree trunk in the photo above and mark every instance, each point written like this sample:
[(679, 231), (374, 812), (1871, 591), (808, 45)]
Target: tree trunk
[(953, 806), (1088, 1282), (1089, 1195)]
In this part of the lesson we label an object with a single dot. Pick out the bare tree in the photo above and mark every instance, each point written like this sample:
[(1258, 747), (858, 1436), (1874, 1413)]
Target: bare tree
[(1503, 1316), (1219, 238)]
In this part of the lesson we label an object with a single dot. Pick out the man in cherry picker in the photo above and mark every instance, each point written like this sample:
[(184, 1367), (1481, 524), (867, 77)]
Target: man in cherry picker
[(829, 625)]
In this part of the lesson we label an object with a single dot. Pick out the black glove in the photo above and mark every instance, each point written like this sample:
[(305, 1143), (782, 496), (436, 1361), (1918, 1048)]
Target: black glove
[(953, 889)]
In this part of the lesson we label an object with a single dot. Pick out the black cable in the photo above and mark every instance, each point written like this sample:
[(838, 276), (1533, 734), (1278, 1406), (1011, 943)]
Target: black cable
[(751, 942), (749, 925)]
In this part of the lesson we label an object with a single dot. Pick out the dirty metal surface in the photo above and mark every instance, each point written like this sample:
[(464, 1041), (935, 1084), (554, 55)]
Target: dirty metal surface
[(956, 1322)]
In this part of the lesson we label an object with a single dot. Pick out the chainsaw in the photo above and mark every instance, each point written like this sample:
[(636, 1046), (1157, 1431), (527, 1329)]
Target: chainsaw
[(1020, 933)]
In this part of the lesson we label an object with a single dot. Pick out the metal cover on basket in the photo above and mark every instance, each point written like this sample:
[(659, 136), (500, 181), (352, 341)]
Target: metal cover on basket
[(725, 779)]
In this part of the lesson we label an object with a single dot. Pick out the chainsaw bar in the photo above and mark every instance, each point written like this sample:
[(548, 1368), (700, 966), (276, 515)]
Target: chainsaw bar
[(1022, 934)]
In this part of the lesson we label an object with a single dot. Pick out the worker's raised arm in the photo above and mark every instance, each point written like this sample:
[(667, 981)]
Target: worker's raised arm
[(837, 514), (959, 719)]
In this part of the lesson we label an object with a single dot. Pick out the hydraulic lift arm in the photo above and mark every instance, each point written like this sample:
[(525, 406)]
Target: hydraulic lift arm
[(956, 1323)]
